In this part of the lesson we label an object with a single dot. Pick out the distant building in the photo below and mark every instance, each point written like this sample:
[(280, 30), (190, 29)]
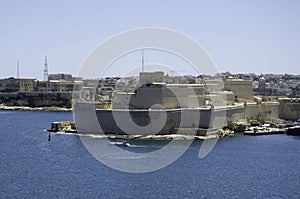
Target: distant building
[(45, 86), (11, 84), (262, 85), (264, 88), (54, 86), (60, 76), (65, 86), (28, 85), (33, 85)]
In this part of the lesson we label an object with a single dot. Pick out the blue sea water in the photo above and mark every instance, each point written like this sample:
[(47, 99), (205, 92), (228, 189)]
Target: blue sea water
[(238, 167)]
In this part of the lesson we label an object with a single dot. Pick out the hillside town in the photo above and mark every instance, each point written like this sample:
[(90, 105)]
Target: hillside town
[(57, 89)]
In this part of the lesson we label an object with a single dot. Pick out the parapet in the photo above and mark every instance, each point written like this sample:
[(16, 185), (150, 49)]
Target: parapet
[(151, 77)]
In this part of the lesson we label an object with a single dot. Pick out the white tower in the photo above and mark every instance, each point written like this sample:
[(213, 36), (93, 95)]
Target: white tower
[(143, 61), (45, 70), (18, 70)]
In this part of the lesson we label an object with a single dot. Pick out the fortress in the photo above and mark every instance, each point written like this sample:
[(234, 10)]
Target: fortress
[(217, 102), (201, 102)]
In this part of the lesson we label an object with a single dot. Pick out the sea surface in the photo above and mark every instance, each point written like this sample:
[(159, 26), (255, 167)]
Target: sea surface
[(237, 167)]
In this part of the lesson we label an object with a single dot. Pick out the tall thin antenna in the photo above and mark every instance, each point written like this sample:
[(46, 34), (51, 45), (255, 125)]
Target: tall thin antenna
[(45, 70), (143, 61), (18, 70)]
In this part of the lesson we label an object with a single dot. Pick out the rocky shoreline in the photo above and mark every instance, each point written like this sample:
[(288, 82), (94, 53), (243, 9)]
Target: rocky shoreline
[(189, 134), (27, 108)]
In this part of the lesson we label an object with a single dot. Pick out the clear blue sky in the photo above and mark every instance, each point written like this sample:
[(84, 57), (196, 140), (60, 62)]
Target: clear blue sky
[(241, 36)]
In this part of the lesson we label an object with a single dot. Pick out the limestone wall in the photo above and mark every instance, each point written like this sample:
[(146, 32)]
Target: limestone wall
[(150, 77), (268, 111), (175, 117), (141, 117), (121, 100), (147, 95), (241, 88), (264, 111), (289, 108), (235, 113), (251, 111), (214, 85)]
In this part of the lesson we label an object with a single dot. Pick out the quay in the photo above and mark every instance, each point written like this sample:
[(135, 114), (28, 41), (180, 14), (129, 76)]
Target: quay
[(187, 133), (63, 126)]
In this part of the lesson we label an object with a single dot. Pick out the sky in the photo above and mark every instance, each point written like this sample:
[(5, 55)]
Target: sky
[(260, 36)]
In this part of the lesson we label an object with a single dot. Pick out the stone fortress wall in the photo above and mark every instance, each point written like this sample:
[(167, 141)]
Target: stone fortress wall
[(289, 108), (241, 88)]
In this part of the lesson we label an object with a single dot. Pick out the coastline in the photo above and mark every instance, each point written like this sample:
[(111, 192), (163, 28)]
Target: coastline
[(27, 108), (69, 127), (140, 137)]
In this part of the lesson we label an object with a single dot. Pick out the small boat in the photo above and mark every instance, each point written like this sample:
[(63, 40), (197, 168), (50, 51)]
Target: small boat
[(256, 131), (295, 130), (264, 131), (120, 143)]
